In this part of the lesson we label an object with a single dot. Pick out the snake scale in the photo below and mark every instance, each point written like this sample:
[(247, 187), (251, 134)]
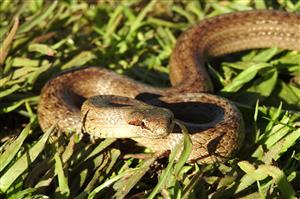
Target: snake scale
[(215, 125)]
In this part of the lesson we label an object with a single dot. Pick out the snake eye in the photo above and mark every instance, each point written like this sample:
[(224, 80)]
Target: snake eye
[(134, 122), (139, 123)]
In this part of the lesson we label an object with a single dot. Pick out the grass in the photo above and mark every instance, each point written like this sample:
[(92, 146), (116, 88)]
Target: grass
[(41, 38)]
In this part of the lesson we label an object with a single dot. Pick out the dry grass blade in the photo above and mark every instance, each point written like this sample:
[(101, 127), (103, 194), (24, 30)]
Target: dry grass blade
[(4, 48)]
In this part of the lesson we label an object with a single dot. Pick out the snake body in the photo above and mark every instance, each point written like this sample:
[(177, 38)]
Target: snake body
[(214, 124)]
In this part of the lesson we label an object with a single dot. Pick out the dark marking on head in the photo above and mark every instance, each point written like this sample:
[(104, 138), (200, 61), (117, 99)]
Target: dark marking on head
[(139, 123), (145, 97)]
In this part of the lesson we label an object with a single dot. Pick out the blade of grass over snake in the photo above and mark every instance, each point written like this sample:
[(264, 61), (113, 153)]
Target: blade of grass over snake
[(168, 170), (187, 148)]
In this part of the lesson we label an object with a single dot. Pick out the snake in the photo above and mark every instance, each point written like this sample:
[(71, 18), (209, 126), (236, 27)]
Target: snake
[(104, 104)]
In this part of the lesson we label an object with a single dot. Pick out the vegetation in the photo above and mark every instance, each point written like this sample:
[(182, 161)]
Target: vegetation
[(41, 38)]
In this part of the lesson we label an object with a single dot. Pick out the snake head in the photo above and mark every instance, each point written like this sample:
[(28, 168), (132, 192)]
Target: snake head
[(152, 122)]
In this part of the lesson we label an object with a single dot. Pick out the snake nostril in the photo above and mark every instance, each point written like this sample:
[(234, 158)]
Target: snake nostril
[(143, 125)]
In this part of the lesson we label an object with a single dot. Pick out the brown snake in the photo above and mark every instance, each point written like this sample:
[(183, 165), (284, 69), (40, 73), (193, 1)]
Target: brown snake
[(214, 124)]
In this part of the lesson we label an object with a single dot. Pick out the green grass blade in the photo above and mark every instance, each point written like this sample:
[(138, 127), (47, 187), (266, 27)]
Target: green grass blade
[(106, 184), (244, 77), (124, 185), (22, 164), (137, 22), (79, 60), (279, 177), (64, 190), (168, 171), (102, 168), (42, 49), (27, 26), (9, 91), (13, 148), (187, 149), (102, 146), (23, 194)]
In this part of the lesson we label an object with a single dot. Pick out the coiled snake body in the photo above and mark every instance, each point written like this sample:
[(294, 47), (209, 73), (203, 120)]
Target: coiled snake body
[(215, 125)]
